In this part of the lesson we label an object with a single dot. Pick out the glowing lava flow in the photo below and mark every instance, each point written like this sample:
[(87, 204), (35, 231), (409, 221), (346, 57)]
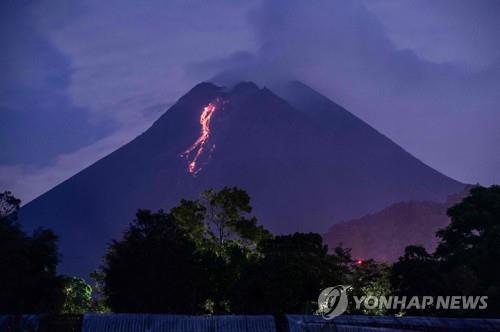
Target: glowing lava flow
[(200, 144)]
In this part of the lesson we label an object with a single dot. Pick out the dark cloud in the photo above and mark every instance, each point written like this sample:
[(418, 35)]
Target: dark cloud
[(39, 121), (462, 32)]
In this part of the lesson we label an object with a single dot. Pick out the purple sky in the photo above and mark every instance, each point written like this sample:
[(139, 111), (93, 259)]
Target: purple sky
[(80, 79)]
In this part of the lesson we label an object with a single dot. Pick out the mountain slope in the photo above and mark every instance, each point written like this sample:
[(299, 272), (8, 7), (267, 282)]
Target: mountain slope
[(305, 161), (384, 235)]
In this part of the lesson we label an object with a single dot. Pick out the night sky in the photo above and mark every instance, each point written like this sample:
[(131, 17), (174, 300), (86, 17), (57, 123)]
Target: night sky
[(80, 79)]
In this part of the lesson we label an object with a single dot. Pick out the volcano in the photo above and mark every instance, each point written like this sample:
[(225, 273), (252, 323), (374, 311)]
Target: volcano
[(306, 162)]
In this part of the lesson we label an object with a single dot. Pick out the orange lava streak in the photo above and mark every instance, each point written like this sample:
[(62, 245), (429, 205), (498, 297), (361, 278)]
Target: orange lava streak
[(202, 140)]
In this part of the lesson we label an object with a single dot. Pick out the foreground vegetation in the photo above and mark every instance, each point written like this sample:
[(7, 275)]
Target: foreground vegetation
[(210, 256)]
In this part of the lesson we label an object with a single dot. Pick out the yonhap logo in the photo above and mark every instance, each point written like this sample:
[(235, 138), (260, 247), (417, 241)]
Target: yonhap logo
[(333, 301)]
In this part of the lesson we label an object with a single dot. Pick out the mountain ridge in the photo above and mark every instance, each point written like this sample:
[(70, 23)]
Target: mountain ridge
[(383, 235)]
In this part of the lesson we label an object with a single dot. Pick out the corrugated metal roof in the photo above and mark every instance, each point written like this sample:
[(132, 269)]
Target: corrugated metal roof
[(177, 323), (296, 323), (389, 323), (19, 322)]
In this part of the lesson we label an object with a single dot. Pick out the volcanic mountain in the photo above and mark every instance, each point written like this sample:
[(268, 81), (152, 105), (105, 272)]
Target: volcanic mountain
[(305, 161)]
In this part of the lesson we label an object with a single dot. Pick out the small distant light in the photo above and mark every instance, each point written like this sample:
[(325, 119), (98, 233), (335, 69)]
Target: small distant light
[(359, 262)]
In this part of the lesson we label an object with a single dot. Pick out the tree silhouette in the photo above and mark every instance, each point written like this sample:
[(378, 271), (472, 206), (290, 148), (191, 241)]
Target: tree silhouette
[(184, 261), (466, 259), (154, 268), (288, 275), (28, 279)]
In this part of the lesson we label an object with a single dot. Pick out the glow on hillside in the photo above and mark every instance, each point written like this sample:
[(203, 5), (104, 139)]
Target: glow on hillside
[(195, 151)]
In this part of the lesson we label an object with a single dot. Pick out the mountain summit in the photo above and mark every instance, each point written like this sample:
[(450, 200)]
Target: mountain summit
[(305, 161)]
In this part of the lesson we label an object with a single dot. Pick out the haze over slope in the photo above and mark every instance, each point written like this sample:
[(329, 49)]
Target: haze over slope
[(305, 161), (384, 235)]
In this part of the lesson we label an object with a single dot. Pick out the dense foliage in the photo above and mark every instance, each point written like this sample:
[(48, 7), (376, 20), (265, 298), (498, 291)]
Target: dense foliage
[(466, 260), (287, 276), (211, 256), (77, 296), (28, 278), (182, 261)]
